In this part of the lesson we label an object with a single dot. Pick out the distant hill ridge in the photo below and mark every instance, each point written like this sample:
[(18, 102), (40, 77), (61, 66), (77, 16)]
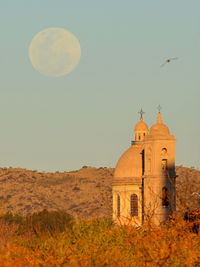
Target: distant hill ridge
[(83, 193)]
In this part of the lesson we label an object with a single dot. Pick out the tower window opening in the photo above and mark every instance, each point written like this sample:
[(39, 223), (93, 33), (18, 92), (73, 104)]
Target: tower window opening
[(139, 137), (118, 205), (164, 151), (134, 205), (164, 164), (165, 197)]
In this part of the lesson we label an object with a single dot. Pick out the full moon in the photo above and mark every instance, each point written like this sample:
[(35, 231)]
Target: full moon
[(54, 52)]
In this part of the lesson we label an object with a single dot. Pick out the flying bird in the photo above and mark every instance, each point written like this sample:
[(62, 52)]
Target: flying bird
[(168, 61)]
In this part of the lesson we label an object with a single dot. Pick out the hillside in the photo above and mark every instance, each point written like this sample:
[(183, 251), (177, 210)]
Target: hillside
[(82, 193)]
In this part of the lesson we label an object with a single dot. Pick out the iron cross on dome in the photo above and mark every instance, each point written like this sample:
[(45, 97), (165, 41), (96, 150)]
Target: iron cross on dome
[(159, 108), (141, 112)]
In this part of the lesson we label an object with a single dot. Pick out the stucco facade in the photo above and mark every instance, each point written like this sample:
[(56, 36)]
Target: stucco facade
[(144, 179)]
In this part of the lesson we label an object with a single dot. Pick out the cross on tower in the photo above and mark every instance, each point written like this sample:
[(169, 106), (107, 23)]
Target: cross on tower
[(159, 108), (141, 112)]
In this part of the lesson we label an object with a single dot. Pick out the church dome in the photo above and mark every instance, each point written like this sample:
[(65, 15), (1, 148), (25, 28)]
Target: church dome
[(130, 163), (159, 128), (141, 126)]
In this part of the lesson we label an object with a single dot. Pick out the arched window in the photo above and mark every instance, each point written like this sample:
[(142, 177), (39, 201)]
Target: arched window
[(164, 164), (164, 151), (134, 205), (118, 205), (165, 197)]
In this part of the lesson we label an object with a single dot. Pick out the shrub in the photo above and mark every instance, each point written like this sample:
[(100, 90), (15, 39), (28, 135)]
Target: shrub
[(98, 242), (48, 222), (10, 218)]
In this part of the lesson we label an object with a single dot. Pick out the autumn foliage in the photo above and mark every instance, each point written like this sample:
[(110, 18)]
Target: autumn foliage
[(96, 242), (55, 238)]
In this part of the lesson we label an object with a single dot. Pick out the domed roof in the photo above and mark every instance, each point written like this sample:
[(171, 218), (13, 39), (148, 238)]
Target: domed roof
[(130, 163), (159, 128), (141, 126)]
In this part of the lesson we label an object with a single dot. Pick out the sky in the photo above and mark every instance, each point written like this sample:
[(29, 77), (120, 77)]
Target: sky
[(87, 117)]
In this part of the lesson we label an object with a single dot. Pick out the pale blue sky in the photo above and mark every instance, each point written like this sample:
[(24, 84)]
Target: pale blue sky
[(88, 117)]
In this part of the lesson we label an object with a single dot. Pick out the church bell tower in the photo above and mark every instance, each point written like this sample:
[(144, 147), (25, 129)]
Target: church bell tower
[(144, 178), (159, 176)]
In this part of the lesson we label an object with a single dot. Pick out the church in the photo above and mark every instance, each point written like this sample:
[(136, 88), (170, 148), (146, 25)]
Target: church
[(144, 179)]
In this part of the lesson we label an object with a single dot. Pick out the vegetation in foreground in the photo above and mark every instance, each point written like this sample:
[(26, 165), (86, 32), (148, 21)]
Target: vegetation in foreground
[(56, 239)]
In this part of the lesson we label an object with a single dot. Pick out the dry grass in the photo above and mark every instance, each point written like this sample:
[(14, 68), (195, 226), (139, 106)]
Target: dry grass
[(85, 193), (81, 193)]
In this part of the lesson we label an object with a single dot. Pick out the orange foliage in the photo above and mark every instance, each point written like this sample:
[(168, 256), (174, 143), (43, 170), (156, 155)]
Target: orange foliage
[(100, 243)]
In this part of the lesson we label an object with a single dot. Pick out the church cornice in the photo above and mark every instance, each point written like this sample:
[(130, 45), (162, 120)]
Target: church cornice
[(127, 181), (159, 177)]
